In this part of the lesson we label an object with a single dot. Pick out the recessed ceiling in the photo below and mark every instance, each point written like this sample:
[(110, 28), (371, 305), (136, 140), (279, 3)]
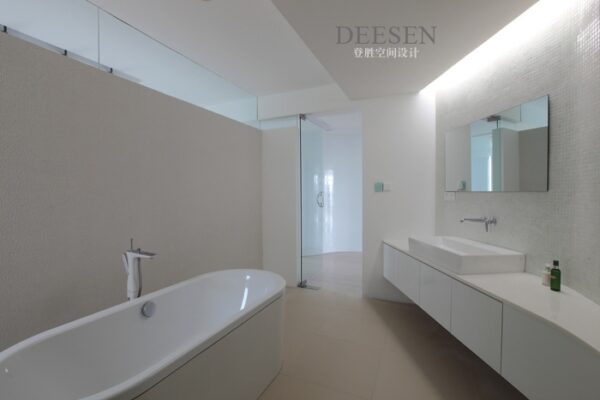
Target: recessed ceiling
[(246, 42), (267, 47), (460, 27)]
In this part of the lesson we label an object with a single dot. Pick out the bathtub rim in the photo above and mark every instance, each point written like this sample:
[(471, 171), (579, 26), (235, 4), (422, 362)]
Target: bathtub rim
[(145, 379)]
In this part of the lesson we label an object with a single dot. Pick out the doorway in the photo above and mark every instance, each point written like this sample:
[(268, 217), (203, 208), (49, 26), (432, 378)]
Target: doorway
[(331, 201)]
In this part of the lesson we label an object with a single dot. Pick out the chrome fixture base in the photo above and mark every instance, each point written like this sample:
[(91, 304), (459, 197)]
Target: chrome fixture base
[(148, 309)]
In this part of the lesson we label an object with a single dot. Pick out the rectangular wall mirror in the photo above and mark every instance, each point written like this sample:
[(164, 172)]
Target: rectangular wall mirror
[(504, 152)]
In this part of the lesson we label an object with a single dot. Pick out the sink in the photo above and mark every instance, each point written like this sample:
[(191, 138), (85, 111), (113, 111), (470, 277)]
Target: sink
[(464, 256)]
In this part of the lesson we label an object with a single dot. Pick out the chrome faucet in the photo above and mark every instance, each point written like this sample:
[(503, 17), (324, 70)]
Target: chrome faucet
[(132, 261), (485, 220)]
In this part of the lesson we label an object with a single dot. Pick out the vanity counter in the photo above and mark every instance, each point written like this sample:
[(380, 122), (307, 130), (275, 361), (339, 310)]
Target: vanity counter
[(567, 310)]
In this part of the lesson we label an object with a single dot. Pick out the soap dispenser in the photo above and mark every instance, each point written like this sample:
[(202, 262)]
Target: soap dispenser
[(546, 274), (555, 277)]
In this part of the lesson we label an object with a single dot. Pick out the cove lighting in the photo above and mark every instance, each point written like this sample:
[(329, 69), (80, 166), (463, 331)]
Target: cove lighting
[(527, 26)]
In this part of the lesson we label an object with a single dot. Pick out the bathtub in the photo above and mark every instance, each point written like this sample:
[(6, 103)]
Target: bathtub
[(216, 336)]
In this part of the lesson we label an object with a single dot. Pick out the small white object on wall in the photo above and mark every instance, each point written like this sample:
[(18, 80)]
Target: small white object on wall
[(449, 196)]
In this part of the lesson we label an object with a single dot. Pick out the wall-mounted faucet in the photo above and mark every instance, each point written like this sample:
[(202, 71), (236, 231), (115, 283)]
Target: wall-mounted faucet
[(485, 220), (132, 261)]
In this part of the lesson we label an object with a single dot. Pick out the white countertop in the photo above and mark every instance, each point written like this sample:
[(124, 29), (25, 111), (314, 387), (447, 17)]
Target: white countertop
[(568, 310)]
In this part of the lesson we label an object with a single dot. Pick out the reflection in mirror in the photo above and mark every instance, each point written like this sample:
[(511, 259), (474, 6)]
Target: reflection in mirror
[(504, 152)]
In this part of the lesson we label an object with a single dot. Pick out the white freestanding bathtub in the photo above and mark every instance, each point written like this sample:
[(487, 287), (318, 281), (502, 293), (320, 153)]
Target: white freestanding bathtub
[(216, 336)]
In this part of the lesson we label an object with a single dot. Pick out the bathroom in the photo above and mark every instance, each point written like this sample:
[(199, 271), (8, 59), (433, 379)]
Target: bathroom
[(154, 200)]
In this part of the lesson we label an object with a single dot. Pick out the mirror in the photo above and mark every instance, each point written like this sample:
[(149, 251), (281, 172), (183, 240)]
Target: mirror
[(504, 152)]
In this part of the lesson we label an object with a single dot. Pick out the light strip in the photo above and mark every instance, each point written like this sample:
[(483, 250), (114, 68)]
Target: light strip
[(527, 26)]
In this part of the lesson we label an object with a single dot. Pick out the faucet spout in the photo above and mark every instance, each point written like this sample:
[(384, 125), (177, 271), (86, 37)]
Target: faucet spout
[(139, 253), (485, 220)]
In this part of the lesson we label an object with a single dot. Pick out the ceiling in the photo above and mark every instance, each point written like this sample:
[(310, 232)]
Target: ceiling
[(268, 47), (461, 26), (246, 42), (343, 122)]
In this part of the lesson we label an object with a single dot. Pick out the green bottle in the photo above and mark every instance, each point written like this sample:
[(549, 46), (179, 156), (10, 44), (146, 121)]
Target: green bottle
[(555, 277)]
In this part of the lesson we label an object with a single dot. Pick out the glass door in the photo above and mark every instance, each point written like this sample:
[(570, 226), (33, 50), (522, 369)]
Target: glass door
[(312, 196)]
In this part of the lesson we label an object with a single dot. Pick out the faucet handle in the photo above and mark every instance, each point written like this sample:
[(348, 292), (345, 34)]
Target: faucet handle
[(139, 253)]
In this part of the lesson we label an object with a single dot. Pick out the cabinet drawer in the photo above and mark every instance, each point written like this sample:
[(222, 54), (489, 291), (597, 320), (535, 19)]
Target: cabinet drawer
[(435, 295), (390, 264), (408, 276), (477, 323)]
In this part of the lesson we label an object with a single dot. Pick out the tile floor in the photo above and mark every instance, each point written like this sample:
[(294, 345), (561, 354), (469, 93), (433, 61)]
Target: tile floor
[(340, 346), (338, 272)]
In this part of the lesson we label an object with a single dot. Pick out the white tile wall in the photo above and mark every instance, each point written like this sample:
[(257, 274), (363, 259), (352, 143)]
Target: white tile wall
[(562, 60)]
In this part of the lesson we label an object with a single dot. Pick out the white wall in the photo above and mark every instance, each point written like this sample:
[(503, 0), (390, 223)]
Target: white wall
[(559, 56), (399, 148), (281, 202), (342, 160), (89, 160)]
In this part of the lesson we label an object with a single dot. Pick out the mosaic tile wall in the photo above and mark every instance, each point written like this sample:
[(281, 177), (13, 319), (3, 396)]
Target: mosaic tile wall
[(563, 61)]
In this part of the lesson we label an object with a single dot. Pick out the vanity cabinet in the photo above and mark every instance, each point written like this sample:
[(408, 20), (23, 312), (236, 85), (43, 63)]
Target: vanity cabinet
[(471, 316), (542, 360), (402, 271), (435, 296), (544, 363), (477, 323)]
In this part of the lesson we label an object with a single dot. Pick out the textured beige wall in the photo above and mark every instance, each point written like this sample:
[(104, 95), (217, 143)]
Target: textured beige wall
[(562, 60), (88, 160)]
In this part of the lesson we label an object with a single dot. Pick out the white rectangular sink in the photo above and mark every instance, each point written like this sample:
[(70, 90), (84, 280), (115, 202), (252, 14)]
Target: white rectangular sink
[(463, 256)]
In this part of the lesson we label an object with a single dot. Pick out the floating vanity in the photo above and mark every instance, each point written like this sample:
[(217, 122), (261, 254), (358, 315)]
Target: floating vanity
[(547, 344)]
